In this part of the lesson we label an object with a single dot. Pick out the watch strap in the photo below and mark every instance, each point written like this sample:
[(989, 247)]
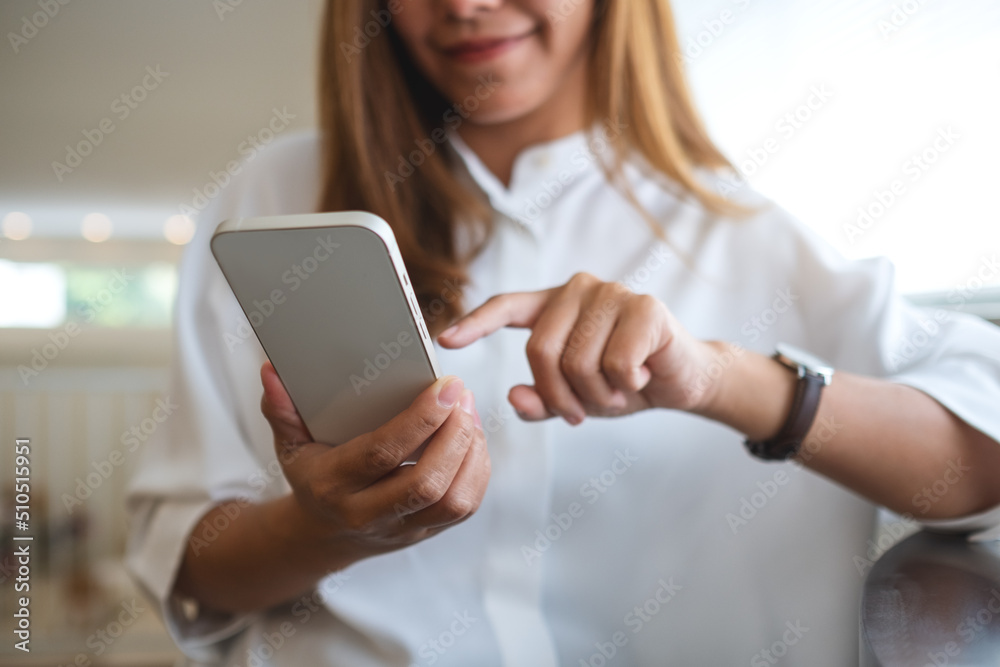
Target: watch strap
[(789, 439)]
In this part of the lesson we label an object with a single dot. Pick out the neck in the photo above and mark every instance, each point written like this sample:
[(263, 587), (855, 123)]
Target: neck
[(499, 144)]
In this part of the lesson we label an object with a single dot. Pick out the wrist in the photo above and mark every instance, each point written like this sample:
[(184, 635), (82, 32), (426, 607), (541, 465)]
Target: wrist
[(749, 392), (309, 542), (719, 360)]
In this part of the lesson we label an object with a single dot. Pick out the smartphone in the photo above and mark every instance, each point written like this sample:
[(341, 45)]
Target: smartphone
[(329, 299)]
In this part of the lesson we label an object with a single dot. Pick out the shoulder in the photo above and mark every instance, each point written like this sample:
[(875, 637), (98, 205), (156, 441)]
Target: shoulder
[(296, 151), (767, 230), (280, 178), (284, 176)]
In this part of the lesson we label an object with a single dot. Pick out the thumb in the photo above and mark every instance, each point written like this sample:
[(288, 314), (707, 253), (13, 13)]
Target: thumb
[(280, 412)]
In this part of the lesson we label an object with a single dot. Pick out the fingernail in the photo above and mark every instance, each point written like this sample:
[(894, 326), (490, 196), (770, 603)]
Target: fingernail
[(479, 422), (450, 392), (467, 402), (450, 330)]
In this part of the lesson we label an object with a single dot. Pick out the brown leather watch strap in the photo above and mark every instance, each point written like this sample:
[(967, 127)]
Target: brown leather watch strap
[(805, 405)]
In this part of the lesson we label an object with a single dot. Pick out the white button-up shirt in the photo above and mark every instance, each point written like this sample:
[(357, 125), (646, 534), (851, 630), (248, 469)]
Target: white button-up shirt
[(651, 539)]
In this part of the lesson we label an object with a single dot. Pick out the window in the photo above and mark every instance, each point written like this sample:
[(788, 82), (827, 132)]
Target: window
[(874, 122), (52, 294)]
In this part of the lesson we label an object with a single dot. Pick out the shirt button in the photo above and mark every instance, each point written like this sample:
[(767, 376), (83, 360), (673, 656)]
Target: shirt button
[(543, 159)]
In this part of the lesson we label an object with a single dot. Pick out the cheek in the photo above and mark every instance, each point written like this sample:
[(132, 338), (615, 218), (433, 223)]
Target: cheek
[(567, 20), (413, 23)]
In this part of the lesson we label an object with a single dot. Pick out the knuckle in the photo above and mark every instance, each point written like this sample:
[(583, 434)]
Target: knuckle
[(495, 299), (465, 431), (487, 461), (380, 455), (540, 351), (425, 423), (459, 506), (356, 522), (429, 488), (582, 278), (617, 367), (645, 303), (616, 288), (578, 365), (323, 491)]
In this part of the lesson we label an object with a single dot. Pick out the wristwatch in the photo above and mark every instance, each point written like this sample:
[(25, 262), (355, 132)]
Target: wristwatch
[(813, 375)]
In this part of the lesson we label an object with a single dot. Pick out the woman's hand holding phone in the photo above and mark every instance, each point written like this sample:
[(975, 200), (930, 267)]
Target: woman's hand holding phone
[(356, 499)]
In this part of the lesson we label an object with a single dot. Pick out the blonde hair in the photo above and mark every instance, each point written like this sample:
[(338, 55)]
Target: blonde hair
[(375, 107)]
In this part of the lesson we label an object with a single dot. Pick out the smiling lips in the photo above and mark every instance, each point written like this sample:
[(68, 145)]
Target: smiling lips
[(481, 50)]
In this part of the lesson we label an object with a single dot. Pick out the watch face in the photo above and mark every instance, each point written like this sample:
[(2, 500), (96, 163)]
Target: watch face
[(793, 356)]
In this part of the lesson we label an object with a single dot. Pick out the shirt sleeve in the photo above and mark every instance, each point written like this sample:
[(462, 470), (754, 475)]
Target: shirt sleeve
[(216, 446), (855, 317)]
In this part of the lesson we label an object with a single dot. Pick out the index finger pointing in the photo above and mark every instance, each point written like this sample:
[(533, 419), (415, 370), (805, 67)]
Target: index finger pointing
[(515, 309)]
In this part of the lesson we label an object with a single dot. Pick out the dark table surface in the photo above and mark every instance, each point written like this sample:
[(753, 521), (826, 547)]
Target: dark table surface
[(932, 600)]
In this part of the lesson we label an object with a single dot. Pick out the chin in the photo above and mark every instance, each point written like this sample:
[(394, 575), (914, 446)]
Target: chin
[(503, 108)]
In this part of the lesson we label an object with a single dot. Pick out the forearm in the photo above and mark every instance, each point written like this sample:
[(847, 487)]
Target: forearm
[(891, 443), (256, 557)]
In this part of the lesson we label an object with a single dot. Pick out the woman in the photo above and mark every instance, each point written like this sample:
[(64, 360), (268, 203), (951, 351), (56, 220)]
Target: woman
[(540, 161)]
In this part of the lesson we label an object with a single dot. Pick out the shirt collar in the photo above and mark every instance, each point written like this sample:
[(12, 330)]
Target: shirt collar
[(542, 173)]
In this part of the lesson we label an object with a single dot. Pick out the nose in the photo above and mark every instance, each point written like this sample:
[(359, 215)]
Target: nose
[(467, 9)]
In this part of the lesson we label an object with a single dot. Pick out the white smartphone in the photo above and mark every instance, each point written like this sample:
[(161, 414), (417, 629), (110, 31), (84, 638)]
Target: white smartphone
[(330, 302)]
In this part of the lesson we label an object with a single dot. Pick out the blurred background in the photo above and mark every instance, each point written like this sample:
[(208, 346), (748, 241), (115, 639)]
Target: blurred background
[(873, 121)]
